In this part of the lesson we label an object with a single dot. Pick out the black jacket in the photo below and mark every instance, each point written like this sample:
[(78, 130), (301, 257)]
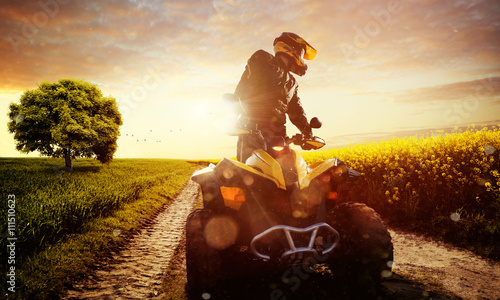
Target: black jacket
[(268, 92)]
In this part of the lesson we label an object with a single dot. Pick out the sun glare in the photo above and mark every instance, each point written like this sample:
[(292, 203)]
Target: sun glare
[(200, 110)]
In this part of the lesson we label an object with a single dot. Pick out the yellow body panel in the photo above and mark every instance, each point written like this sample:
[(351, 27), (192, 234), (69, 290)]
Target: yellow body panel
[(300, 167), (204, 171), (316, 170), (264, 165), (268, 165), (267, 172)]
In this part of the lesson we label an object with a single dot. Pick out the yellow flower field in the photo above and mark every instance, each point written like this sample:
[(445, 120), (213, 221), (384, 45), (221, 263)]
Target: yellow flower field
[(442, 184)]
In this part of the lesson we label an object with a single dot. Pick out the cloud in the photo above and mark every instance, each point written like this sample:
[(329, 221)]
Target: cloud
[(399, 56), (423, 36), (193, 39), (486, 89), (87, 39), (400, 133)]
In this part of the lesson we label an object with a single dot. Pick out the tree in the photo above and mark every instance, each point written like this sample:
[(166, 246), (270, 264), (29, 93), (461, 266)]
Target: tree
[(69, 118)]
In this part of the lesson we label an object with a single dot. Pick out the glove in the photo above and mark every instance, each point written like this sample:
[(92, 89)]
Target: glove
[(307, 133)]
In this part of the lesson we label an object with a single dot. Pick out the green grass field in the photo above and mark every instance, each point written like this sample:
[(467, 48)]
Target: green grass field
[(63, 221)]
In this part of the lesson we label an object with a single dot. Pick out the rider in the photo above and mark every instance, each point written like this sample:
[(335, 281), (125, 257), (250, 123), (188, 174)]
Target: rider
[(268, 92)]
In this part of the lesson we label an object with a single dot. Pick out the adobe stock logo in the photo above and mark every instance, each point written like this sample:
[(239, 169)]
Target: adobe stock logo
[(364, 35), (153, 78), (30, 26), (463, 109)]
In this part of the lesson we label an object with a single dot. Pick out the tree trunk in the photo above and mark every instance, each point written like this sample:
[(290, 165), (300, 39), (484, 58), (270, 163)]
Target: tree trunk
[(67, 157)]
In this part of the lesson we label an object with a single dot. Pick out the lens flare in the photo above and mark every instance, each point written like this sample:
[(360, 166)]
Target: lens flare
[(386, 273), (248, 180), (297, 214), (221, 232), (489, 149), (228, 173), (18, 118)]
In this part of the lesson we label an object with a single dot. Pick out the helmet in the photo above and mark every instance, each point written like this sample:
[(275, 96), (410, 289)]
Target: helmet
[(297, 49)]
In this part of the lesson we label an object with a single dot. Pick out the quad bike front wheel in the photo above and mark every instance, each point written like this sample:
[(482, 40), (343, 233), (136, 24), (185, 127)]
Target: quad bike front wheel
[(203, 264), (208, 235), (365, 252)]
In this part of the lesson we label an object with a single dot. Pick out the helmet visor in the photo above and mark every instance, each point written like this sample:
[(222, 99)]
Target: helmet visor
[(310, 52)]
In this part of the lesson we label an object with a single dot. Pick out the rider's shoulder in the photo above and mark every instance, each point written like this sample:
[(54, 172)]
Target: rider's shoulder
[(261, 55), (261, 64)]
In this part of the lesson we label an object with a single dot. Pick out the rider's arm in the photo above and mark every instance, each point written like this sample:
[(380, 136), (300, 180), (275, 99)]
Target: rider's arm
[(298, 116)]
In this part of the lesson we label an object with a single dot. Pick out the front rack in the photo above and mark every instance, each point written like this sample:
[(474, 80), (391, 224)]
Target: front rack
[(293, 249)]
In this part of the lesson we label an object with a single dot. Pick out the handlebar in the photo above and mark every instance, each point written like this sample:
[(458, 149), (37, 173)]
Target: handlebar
[(306, 143)]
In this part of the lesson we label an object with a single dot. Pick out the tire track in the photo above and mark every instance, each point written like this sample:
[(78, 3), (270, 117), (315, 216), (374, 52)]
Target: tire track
[(136, 272)]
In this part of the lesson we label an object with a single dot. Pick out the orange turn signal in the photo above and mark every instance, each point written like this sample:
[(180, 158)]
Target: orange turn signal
[(233, 194), (239, 198)]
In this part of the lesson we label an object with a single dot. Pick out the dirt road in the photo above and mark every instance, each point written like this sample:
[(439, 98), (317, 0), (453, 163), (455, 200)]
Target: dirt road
[(437, 265), (422, 268), (136, 272)]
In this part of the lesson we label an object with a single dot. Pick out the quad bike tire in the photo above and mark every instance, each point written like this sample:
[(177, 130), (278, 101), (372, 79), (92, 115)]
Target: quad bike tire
[(365, 253), (209, 239), (203, 263)]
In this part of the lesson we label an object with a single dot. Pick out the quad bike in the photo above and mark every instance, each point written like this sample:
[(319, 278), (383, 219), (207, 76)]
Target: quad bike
[(276, 211)]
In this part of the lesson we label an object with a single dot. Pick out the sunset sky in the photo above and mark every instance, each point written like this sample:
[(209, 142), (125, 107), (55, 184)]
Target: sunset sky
[(384, 68)]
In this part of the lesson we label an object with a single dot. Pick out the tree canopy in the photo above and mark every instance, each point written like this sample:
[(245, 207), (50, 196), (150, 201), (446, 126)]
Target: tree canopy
[(69, 118)]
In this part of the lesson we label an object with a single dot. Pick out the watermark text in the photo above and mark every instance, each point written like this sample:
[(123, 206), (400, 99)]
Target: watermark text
[(11, 243)]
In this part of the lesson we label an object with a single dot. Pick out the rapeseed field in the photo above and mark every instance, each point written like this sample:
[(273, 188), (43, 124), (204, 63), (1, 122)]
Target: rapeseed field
[(441, 184)]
